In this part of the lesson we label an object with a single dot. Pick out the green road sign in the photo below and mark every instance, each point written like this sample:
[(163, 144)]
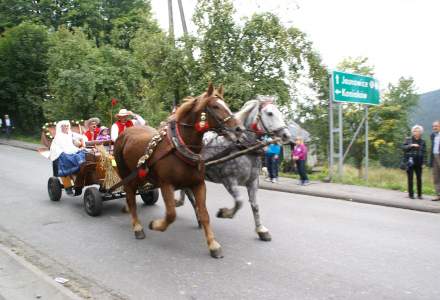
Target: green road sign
[(355, 88)]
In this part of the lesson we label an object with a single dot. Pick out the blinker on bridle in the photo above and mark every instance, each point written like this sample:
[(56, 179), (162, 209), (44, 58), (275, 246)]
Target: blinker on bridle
[(203, 125), (259, 119)]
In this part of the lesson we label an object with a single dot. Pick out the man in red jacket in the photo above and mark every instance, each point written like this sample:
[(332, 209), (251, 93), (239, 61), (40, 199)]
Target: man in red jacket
[(124, 122)]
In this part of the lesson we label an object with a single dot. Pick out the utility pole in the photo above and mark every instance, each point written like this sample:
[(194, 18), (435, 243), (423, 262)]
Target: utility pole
[(171, 33), (170, 20), (182, 17)]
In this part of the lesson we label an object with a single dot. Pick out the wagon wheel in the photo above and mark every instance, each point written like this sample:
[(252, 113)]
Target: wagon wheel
[(150, 197), (54, 188), (92, 202)]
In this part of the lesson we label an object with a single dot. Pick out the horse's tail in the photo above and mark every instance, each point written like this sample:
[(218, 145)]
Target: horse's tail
[(119, 156)]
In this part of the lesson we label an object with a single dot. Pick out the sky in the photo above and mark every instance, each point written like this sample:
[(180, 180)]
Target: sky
[(400, 37)]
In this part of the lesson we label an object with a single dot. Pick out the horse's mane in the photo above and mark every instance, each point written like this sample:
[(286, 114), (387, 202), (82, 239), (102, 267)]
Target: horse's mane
[(186, 106), (189, 102), (248, 111)]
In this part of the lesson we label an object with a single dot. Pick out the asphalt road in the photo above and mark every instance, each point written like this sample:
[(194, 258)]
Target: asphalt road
[(321, 248)]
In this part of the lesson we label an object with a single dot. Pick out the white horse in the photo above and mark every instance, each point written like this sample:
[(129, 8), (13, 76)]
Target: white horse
[(260, 117)]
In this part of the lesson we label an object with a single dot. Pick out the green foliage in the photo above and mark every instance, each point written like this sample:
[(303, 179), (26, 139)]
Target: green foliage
[(357, 65), (23, 75), (84, 79), (104, 21)]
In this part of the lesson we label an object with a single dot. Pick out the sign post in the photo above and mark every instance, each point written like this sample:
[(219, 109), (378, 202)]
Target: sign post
[(350, 88)]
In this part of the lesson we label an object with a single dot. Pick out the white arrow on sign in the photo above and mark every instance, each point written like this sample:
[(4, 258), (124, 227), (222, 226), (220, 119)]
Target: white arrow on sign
[(338, 92)]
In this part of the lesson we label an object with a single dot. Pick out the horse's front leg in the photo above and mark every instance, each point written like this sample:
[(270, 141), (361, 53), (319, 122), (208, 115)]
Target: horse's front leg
[(199, 191), (131, 204), (263, 232), (232, 186), (170, 207)]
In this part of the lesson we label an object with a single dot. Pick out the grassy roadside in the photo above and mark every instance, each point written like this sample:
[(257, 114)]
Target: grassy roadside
[(25, 138), (380, 177)]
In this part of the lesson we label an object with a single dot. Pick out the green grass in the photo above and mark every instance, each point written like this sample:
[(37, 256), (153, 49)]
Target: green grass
[(26, 138), (380, 177)]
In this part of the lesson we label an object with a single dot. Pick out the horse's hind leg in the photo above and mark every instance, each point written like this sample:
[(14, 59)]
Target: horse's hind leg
[(214, 247), (190, 195), (263, 232), (181, 200), (170, 207), (192, 200), (232, 187), (131, 204)]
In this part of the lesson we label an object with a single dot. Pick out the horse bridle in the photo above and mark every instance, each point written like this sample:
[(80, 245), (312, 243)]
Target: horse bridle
[(220, 128), (259, 119)]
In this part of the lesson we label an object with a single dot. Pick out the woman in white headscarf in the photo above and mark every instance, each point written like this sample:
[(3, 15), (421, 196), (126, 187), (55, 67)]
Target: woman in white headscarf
[(66, 153)]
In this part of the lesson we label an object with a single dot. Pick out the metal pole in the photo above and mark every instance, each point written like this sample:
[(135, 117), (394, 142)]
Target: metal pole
[(170, 19), (354, 138), (341, 145), (330, 125), (366, 142), (182, 17), (171, 33)]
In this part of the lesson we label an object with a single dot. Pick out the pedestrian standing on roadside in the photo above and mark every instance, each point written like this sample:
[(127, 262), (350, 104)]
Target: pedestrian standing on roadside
[(8, 126), (435, 157), (272, 160), (414, 149), (299, 155)]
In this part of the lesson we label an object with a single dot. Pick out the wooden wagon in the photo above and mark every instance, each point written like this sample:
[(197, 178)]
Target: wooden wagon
[(94, 174)]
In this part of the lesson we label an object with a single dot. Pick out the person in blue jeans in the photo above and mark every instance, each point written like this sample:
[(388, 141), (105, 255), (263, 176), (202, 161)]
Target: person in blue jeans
[(272, 159)]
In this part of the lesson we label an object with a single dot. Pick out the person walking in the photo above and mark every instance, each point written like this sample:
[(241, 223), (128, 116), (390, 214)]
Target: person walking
[(435, 157), (414, 149), (299, 155), (8, 126), (272, 159)]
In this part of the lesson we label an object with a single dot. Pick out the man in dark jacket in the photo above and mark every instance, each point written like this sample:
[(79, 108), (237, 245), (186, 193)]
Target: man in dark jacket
[(435, 157)]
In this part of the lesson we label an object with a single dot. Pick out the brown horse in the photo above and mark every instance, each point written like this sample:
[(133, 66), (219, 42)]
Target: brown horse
[(175, 162)]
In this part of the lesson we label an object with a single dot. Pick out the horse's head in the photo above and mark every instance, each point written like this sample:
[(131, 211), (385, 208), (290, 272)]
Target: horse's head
[(262, 116), (210, 112)]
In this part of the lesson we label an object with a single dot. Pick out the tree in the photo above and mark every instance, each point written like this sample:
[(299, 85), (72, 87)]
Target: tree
[(23, 78), (104, 21), (391, 121)]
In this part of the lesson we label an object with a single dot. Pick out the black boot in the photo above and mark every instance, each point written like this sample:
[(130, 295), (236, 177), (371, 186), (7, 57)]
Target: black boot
[(78, 191)]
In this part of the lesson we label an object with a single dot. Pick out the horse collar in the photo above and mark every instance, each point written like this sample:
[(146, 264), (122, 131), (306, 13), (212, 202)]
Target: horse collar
[(183, 151)]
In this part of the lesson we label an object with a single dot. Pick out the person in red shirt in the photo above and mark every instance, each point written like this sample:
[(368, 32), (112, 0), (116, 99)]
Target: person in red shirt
[(126, 119), (92, 129)]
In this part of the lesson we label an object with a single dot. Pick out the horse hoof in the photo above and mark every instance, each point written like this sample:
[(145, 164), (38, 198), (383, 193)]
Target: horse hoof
[(223, 214), (216, 253), (150, 226), (179, 203), (265, 236), (140, 235)]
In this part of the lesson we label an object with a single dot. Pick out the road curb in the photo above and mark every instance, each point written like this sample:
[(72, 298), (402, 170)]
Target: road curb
[(353, 198), (45, 279), (20, 144)]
